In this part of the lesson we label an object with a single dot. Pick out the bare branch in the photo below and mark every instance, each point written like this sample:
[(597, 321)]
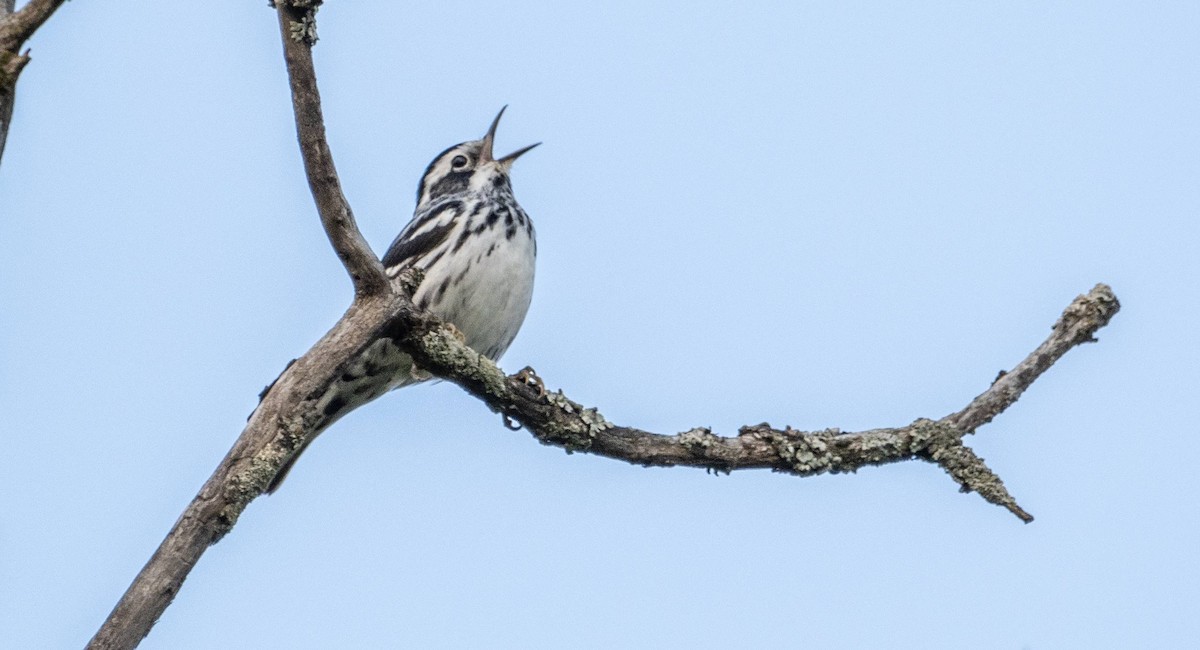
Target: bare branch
[(11, 65), (15, 29), (298, 31), (1078, 324)]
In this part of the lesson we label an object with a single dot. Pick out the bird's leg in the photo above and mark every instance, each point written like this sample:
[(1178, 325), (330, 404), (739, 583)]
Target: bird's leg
[(528, 377)]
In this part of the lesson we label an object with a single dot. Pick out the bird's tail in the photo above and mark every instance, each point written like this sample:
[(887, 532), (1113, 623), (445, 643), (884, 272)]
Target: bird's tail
[(379, 369), (287, 467)]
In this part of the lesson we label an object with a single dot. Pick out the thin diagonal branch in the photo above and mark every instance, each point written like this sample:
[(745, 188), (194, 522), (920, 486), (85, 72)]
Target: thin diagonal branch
[(15, 29), (281, 423), (1078, 324), (298, 31)]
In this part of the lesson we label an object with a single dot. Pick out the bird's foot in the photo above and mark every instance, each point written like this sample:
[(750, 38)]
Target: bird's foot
[(457, 333), (509, 423), (529, 377)]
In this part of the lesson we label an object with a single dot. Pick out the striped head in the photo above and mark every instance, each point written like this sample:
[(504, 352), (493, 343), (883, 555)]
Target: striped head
[(468, 168)]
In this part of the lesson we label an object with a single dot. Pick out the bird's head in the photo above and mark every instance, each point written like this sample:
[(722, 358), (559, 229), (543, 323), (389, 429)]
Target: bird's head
[(468, 167)]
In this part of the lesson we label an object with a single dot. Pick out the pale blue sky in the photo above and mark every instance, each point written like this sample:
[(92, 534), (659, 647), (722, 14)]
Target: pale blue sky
[(836, 214)]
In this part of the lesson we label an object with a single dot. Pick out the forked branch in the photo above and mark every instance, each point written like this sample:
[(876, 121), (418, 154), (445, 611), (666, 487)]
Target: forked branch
[(286, 418), (556, 420)]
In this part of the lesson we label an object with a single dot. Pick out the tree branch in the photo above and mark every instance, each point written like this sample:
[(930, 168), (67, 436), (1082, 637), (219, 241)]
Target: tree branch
[(1078, 324), (286, 419), (280, 424), (556, 420), (287, 415), (293, 409), (15, 29), (297, 27)]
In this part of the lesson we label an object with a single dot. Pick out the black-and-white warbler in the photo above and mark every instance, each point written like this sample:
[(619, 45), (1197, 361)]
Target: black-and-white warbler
[(476, 246)]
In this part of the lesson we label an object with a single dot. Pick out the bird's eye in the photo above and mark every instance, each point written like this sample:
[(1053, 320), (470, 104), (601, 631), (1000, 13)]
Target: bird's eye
[(459, 162)]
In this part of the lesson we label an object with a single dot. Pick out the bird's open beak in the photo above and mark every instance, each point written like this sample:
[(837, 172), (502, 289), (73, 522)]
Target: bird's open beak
[(490, 139)]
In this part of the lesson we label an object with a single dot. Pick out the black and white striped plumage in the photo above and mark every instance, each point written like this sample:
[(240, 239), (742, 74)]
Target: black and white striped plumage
[(476, 246)]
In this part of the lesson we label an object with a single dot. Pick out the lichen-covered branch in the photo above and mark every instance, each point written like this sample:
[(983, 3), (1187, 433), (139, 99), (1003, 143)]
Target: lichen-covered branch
[(280, 424), (972, 475), (288, 414), (291, 412), (556, 420)]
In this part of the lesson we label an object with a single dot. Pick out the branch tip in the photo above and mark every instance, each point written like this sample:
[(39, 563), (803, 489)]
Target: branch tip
[(1078, 324), (973, 475), (1088, 313)]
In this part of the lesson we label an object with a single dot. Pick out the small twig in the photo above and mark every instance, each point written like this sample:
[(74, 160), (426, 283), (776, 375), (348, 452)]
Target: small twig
[(972, 475), (1078, 324)]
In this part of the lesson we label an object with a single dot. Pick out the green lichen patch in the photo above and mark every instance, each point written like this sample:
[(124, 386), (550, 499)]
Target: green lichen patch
[(576, 427), (305, 29), (804, 453), (698, 439), (563, 402), (594, 421), (925, 433), (444, 347)]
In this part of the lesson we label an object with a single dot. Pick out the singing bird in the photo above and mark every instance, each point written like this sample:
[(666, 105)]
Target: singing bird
[(477, 249)]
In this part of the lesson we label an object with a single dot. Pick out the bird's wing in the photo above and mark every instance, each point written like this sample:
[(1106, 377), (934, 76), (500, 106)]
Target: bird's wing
[(422, 235)]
